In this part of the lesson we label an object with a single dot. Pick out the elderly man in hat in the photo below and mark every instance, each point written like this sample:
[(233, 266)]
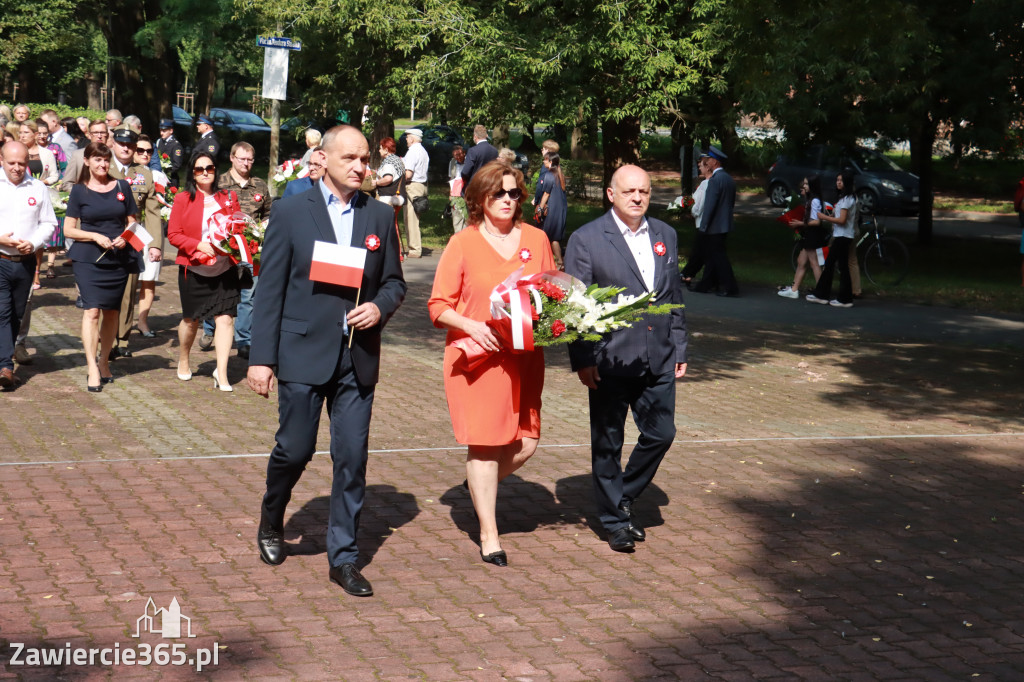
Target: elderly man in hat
[(168, 146), (123, 143), (716, 223), (207, 141), (416, 163)]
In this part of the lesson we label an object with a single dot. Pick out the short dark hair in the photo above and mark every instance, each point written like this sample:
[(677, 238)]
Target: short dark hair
[(93, 149), (486, 182)]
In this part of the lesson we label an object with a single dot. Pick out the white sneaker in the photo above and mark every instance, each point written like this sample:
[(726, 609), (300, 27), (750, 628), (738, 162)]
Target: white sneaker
[(788, 292), (811, 298), (836, 304)]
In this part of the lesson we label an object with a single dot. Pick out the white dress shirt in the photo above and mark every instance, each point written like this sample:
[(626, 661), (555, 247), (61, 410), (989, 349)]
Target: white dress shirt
[(26, 210), (417, 161), (639, 244)]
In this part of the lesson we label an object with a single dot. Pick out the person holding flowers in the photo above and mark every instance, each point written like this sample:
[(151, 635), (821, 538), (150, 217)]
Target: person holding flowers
[(207, 280), (495, 407), (635, 368)]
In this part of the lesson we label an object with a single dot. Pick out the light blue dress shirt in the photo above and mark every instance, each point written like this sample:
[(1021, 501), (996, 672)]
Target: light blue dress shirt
[(341, 220)]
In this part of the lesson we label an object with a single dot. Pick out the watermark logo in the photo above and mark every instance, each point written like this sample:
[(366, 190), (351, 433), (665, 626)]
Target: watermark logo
[(169, 623), (164, 622)]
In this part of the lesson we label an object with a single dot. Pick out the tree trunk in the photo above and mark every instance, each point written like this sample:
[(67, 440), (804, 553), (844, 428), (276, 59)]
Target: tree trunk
[(500, 136), (206, 82), (921, 142), (529, 143), (382, 125), (92, 91), (583, 142), (621, 146)]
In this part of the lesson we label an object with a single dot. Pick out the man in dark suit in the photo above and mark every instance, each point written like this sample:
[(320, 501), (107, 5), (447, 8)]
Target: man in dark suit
[(481, 153), (316, 171), (302, 331), (634, 368), (716, 223)]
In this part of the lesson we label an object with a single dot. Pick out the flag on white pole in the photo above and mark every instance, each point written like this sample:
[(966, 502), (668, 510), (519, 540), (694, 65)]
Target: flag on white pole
[(337, 264)]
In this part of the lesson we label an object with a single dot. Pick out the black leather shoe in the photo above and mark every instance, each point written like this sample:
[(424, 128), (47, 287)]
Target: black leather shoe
[(271, 544), (243, 352), (498, 558), (351, 580), (620, 540), (117, 352), (635, 529)]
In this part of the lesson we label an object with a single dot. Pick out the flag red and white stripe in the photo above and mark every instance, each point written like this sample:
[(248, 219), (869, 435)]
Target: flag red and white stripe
[(137, 236), (337, 264)]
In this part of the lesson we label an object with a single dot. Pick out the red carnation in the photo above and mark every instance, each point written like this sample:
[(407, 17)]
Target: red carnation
[(552, 291), (254, 246), (557, 328)]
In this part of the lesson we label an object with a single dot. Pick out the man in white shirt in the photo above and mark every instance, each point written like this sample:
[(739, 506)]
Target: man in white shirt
[(27, 217), (58, 135), (416, 164)]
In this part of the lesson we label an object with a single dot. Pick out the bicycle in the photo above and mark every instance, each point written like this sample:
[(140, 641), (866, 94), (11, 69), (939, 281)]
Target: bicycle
[(884, 260)]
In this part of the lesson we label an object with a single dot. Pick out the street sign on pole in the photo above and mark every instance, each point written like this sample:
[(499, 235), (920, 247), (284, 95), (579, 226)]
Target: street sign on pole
[(283, 43)]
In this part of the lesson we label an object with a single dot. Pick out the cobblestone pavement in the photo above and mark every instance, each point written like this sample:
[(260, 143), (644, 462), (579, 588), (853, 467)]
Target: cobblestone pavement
[(837, 506)]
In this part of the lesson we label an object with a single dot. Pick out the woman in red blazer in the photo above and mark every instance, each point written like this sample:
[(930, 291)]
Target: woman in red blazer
[(207, 280)]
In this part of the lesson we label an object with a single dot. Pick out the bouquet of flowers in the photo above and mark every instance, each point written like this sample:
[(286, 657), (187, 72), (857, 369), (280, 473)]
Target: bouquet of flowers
[(166, 200), (239, 237), (292, 169), (683, 202), (165, 162), (551, 308), (60, 204)]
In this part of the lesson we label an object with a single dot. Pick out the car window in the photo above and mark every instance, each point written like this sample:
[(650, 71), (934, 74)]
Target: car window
[(871, 161), (247, 117), (219, 116)]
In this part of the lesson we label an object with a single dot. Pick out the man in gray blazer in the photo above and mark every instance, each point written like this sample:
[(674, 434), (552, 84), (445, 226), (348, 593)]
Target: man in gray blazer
[(635, 368), (717, 223), (302, 331)]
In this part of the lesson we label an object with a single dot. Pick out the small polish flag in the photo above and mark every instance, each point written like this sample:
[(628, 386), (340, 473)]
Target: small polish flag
[(337, 264), (137, 236)]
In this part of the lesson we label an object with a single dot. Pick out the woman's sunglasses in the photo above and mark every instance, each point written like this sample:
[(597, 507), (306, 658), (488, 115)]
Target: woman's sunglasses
[(143, 150), (198, 170), (515, 194)]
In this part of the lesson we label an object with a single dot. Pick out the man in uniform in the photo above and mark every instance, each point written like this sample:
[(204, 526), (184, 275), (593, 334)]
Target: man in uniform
[(254, 199), (416, 163), (208, 141), (141, 180), (168, 145)]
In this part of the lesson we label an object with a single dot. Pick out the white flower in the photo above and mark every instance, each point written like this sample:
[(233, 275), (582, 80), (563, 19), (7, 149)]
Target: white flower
[(278, 178)]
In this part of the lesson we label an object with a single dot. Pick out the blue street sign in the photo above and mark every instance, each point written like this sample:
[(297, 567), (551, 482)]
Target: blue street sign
[(286, 43)]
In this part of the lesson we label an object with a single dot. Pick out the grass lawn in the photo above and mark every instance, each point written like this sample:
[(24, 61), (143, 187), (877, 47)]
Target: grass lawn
[(976, 274)]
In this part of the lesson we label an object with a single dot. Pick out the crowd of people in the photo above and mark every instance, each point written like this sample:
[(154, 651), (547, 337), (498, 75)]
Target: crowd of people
[(108, 183), (319, 340)]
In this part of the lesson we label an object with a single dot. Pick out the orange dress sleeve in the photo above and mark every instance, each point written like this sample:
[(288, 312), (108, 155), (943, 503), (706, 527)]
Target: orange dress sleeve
[(446, 293)]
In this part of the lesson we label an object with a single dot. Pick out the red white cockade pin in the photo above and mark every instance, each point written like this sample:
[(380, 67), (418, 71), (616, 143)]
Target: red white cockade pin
[(373, 242), (659, 248), (258, 198), (31, 201), (120, 196), (525, 255)]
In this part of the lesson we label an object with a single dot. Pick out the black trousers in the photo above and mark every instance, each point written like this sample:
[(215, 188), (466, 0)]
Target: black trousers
[(697, 257), (717, 268), (652, 398), (349, 407), (15, 286), (838, 258)]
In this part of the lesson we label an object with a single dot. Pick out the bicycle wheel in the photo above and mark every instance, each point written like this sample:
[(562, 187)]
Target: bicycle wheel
[(886, 262)]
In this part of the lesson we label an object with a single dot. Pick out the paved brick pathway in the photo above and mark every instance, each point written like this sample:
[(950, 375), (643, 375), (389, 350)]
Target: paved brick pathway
[(836, 506)]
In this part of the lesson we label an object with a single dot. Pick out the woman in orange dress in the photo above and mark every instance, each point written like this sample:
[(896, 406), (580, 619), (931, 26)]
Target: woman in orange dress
[(495, 408)]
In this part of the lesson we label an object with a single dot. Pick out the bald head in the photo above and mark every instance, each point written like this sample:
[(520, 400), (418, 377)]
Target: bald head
[(630, 194), (15, 161), (348, 156)]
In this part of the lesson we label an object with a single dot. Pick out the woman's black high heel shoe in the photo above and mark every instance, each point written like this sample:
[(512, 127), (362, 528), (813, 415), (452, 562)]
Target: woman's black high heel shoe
[(106, 380), (498, 558), (93, 389)]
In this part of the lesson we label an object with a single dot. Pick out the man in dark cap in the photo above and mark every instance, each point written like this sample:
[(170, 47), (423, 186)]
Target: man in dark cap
[(208, 141), (716, 223), (123, 143), (169, 147)]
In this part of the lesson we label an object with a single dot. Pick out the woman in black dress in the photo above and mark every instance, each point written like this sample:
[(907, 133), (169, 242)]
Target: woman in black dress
[(553, 205), (99, 209)]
